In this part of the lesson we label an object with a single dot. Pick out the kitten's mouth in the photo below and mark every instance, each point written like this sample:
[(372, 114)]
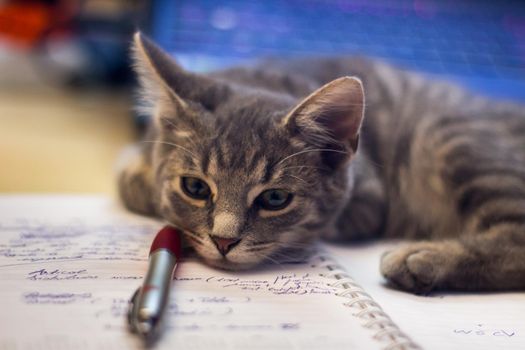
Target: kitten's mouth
[(226, 264), (194, 241), (243, 257)]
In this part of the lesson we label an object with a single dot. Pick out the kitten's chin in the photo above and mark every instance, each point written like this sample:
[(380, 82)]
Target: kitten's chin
[(280, 257), (226, 264)]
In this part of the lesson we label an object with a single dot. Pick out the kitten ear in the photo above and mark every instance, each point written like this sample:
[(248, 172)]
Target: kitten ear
[(163, 79), (331, 118)]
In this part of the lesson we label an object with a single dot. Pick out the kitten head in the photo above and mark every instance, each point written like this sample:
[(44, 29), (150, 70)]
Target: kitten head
[(249, 175)]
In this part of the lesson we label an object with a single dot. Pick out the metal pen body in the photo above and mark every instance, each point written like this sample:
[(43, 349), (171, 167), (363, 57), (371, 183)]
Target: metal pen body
[(153, 296)]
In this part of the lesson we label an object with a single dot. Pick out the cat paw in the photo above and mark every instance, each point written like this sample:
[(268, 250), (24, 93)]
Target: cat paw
[(420, 267)]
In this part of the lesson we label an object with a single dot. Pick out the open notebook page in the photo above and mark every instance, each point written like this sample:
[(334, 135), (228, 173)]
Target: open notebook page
[(481, 321), (68, 266)]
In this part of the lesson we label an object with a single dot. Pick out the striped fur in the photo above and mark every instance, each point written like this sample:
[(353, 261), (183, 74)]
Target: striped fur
[(435, 164)]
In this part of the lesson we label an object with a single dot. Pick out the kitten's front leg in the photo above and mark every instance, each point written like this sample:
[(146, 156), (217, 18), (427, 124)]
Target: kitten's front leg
[(135, 181), (489, 251), (492, 260), (423, 266)]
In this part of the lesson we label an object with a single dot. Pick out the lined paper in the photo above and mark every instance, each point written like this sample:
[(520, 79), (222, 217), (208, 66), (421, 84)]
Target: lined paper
[(68, 266), (445, 320)]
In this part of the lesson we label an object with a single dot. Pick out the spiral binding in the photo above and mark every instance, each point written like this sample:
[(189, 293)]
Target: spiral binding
[(365, 307)]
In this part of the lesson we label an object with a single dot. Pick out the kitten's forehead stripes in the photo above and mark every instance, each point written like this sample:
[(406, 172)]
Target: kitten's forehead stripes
[(205, 162), (219, 154), (190, 161)]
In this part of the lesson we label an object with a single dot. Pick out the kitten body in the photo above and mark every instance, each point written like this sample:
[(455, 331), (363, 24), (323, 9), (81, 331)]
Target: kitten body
[(435, 164)]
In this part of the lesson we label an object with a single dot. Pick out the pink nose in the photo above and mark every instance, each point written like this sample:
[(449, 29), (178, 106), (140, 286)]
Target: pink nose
[(224, 245)]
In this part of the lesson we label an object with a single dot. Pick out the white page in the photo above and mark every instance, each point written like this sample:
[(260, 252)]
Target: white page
[(442, 320), (68, 266)]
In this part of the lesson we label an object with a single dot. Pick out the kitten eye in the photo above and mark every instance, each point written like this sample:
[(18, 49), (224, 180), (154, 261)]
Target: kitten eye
[(274, 199), (195, 188)]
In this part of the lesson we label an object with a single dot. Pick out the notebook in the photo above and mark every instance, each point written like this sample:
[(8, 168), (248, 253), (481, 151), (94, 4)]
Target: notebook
[(443, 320), (69, 265)]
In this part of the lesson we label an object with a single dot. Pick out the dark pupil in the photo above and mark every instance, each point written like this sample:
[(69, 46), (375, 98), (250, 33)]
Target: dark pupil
[(195, 187), (276, 198)]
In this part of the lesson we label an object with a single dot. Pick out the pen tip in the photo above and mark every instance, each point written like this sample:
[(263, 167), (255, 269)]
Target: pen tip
[(144, 328)]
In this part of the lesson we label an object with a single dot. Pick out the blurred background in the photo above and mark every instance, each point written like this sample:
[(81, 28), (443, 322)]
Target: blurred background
[(66, 88)]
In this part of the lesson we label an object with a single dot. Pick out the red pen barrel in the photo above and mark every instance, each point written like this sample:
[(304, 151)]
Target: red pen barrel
[(152, 299), (154, 294)]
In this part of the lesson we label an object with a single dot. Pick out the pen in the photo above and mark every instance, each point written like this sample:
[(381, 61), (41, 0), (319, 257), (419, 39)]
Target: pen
[(148, 304)]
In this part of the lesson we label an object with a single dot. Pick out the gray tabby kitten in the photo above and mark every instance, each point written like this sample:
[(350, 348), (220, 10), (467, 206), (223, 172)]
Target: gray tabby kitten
[(256, 163)]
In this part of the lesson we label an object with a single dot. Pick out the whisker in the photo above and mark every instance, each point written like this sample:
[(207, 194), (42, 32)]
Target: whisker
[(304, 167), (292, 246), (280, 256), (256, 242), (286, 258), (376, 164), (307, 151), (177, 129), (267, 257), (166, 120), (255, 249), (193, 235), (258, 247), (195, 158), (297, 177), (191, 238)]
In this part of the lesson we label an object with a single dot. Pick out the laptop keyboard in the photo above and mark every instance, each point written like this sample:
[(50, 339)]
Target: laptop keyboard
[(463, 39)]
